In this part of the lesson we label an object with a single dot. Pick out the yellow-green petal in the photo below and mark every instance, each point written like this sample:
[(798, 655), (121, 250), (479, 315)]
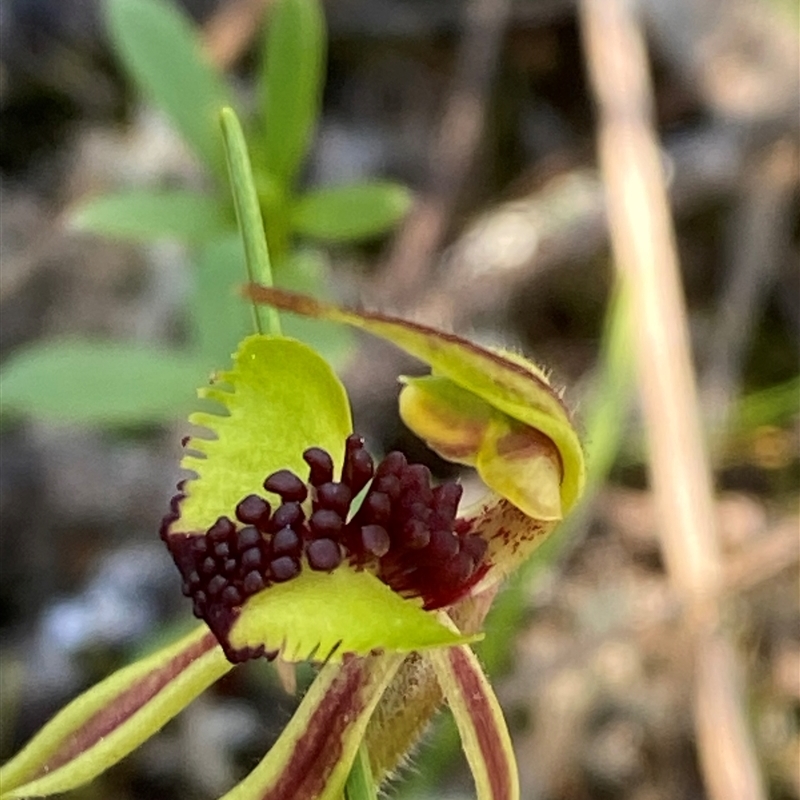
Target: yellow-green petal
[(113, 718), (323, 616)]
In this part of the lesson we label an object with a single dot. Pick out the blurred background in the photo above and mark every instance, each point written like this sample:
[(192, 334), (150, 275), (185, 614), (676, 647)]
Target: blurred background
[(477, 120)]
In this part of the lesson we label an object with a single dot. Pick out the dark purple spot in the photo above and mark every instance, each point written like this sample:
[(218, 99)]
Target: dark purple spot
[(229, 566), (446, 499), (377, 507), (443, 546), (252, 583), (253, 510), (325, 523), (222, 550), (335, 496), (358, 464), (416, 534), (387, 484), (393, 464), (247, 538), (474, 546), (286, 542), (320, 466), (221, 530), (287, 485), (288, 515), (375, 540), (251, 559), (457, 569), (284, 568), (216, 585), (231, 596), (209, 566), (323, 555), (199, 545)]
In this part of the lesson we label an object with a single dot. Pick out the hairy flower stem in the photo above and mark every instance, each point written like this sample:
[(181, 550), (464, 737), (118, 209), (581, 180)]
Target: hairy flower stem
[(414, 696)]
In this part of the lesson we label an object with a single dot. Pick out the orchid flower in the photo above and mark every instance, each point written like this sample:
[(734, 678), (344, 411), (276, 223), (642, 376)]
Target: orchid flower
[(293, 543)]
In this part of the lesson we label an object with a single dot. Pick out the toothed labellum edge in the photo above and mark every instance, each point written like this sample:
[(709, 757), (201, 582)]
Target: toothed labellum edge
[(405, 533)]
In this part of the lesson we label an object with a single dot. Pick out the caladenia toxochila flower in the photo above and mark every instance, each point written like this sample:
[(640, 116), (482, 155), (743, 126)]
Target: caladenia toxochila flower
[(293, 543)]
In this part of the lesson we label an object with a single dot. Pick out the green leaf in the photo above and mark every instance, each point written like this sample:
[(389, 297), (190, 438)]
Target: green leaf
[(162, 53), (324, 616), (218, 316), (313, 755), (143, 215), (291, 84), (281, 398), (484, 735), (350, 213), (96, 382), (113, 718)]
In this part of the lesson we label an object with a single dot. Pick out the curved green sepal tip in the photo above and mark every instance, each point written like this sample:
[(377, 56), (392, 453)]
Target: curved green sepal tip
[(516, 460), (506, 381), (281, 398), (321, 616)]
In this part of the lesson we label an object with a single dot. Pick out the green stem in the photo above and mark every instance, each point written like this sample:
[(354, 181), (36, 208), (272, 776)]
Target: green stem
[(248, 213), (360, 785)]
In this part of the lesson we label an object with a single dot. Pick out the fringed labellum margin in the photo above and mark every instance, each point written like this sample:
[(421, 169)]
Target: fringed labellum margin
[(278, 560)]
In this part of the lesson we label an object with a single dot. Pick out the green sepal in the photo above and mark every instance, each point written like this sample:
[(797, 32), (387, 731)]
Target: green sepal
[(281, 398), (113, 718), (481, 725), (322, 616), (313, 755)]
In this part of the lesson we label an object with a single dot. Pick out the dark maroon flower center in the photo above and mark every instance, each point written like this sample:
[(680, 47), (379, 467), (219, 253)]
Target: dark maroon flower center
[(404, 531)]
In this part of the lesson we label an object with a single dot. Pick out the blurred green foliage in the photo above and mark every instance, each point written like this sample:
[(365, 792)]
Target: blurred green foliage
[(105, 383)]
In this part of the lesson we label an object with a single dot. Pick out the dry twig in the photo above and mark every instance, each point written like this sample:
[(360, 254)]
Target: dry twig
[(643, 243)]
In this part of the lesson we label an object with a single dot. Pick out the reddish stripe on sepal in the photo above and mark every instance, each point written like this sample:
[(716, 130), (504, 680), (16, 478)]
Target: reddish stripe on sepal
[(319, 749), (479, 718), (125, 705), (483, 720), (314, 754)]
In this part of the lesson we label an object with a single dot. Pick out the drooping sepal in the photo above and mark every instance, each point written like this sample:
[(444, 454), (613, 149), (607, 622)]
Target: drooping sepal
[(313, 756), (479, 718), (113, 718)]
